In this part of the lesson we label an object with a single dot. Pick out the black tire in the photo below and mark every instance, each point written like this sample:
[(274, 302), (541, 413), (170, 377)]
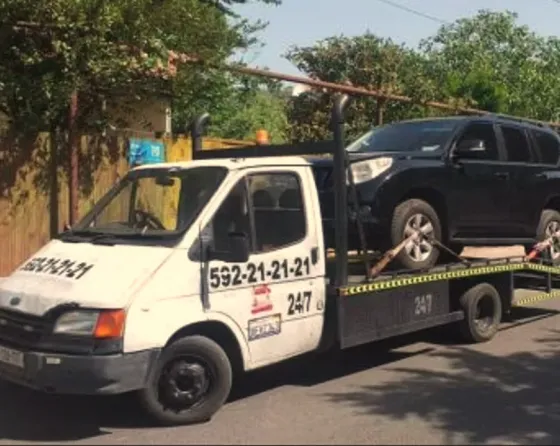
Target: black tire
[(401, 216), (548, 217), (483, 313), (217, 367)]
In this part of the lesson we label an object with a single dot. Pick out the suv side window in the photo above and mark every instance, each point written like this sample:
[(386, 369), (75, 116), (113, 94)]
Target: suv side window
[(484, 132), (517, 145), (548, 146), (278, 213)]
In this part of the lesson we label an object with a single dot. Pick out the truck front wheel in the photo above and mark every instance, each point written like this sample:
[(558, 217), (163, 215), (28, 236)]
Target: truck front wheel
[(190, 382)]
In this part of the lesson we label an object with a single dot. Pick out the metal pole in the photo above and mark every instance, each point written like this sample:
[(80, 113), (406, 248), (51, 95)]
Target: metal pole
[(340, 191), (53, 175), (197, 132), (73, 184)]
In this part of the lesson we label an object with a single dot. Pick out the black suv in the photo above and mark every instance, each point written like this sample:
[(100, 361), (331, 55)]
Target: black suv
[(465, 180)]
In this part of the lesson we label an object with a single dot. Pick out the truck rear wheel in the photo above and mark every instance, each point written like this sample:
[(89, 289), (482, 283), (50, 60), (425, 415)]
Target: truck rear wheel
[(483, 313), (190, 382)]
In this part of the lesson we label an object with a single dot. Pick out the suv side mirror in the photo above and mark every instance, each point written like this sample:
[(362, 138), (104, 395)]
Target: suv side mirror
[(238, 250), (469, 146)]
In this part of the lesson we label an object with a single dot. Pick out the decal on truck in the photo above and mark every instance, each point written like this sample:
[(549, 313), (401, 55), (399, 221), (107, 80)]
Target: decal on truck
[(71, 269), (261, 299), (299, 302), (264, 327), (252, 273)]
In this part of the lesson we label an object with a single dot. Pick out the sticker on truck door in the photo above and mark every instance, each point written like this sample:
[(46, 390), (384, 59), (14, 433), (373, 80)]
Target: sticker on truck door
[(251, 273), (299, 303), (264, 327)]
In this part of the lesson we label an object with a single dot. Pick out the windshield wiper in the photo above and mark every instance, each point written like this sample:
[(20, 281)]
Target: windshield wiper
[(80, 236), (74, 236)]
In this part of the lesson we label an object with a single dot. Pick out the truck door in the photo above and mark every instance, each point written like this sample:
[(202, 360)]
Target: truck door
[(277, 298)]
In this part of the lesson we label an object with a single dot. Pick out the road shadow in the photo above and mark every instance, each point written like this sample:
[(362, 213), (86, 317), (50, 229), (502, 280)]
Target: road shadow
[(30, 416), (481, 398)]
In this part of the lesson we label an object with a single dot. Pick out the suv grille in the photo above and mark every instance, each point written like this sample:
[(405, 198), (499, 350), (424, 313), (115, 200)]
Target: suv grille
[(22, 329)]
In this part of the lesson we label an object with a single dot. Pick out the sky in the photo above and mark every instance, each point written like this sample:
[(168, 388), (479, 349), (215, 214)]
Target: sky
[(303, 22)]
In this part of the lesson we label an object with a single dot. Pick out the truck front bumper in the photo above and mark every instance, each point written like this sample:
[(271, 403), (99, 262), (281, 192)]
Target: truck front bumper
[(81, 375)]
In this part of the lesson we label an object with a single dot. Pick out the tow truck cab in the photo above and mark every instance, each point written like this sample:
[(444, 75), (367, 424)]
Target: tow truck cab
[(241, 257)]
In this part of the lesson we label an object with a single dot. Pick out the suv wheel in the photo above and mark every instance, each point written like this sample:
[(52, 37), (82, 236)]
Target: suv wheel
[(411, 215), (549, 224)]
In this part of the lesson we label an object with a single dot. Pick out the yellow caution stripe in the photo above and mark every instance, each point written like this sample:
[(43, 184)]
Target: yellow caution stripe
[(445, 275), (537, 298)]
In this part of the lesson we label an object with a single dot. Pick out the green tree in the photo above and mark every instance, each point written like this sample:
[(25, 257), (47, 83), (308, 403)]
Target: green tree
[(496, 64), (102, 49), (238, 105), (364, 61), (250, 107)]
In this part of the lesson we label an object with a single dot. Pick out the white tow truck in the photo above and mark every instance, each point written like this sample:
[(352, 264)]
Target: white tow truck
[(186, 273)]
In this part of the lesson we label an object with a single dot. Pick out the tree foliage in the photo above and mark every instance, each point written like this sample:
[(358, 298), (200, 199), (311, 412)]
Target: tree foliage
[(108, 49), (487, 61), (364, 61)]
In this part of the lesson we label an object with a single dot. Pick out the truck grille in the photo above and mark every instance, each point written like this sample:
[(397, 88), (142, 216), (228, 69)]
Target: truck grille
[(21, 329)]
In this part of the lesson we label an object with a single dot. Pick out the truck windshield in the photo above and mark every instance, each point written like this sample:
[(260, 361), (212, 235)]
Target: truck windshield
[(422, 136), (152, 201)]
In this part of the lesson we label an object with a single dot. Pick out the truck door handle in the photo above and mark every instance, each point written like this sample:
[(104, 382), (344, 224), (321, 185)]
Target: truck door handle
[(502, 175), (314, 255)]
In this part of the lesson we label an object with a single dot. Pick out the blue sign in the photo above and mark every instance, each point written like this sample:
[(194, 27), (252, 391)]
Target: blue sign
[(145, 151)]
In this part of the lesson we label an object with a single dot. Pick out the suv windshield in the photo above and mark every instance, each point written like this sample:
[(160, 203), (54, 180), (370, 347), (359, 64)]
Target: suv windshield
[(152, 201), (422, 136)]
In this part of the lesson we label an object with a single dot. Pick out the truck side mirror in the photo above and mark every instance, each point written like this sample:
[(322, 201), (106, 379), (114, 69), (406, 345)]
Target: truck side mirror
[(238, 250)]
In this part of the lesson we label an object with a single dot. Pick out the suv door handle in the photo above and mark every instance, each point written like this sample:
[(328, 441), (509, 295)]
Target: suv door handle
[(502, 175)]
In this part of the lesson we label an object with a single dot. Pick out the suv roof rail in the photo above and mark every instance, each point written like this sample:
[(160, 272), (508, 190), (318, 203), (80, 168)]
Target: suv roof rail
[(534, 122)]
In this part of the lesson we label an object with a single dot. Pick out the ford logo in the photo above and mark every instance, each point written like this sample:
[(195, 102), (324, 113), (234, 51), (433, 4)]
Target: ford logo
[(14, 301)]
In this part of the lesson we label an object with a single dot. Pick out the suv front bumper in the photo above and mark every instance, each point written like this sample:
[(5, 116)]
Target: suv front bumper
[(81, 375)]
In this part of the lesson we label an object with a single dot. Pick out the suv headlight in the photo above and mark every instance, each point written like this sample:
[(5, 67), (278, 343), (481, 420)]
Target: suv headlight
[(97, 324), (363, 171)]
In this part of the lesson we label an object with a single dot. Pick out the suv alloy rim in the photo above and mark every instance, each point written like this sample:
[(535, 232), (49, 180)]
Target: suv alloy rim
[(554, 249), (419, 250)]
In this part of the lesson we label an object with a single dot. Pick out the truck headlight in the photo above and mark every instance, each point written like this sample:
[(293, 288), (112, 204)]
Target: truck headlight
[(366, 170), (98, 324)]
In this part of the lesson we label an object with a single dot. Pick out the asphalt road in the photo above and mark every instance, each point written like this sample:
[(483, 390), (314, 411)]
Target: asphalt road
[(423, 389)]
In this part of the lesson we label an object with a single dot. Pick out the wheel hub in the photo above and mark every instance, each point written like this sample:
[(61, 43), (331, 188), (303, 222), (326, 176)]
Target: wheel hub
[(183, 384), (554, 249), (419, 249)]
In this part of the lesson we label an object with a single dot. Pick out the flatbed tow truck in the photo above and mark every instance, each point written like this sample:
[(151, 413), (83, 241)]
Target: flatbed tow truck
[(125, 302)]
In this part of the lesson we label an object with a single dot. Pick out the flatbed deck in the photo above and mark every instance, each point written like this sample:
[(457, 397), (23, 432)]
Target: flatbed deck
[(401, 302)]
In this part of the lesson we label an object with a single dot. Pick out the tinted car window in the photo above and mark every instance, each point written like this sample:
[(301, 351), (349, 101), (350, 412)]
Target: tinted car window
[(423, 136), (483, 132), (517, 146), (548, 146)]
